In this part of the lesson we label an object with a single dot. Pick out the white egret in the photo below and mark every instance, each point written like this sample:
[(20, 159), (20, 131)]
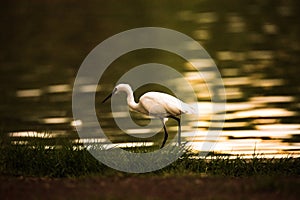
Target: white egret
[(156, 104)]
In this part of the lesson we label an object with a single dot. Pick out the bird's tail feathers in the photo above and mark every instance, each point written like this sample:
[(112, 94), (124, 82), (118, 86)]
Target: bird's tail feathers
[(189, 109)]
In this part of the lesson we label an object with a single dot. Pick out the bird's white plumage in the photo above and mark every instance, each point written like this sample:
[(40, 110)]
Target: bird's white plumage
[(155, 103), (163, 105)]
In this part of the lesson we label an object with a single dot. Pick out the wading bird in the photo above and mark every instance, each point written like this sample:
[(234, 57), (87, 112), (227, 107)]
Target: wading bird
[(156, 104)]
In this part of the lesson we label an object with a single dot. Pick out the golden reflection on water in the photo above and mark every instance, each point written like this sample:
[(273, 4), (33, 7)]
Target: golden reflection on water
[(29, 93), (257, 124), (59, 88)]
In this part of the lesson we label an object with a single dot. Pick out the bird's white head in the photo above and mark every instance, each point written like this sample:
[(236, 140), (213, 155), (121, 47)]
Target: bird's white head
[(120, 87)]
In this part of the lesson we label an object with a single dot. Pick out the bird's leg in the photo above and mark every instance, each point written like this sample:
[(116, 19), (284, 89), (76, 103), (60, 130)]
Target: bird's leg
[(179, 128), (166, 133)]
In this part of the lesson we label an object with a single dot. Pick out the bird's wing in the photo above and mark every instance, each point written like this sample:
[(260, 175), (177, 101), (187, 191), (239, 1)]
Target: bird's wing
[(162, 104)]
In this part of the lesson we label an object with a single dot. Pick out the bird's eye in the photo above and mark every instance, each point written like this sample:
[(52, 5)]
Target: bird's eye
[(115, 90)]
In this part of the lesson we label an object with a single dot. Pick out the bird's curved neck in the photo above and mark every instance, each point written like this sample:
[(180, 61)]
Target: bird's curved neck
[(130, 98)]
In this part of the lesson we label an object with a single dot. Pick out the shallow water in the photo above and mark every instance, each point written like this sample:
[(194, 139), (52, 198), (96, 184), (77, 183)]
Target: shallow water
[(255, 46)]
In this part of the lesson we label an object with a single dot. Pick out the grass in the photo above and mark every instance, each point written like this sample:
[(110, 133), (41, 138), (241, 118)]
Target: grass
[(33, 159)]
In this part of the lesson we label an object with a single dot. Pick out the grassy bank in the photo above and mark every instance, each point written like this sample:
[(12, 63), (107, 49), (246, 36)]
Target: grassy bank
[(66, 161)]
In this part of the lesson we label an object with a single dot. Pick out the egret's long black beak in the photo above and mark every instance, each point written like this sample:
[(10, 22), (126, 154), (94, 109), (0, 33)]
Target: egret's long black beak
[(107, 97), (113, 92)]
